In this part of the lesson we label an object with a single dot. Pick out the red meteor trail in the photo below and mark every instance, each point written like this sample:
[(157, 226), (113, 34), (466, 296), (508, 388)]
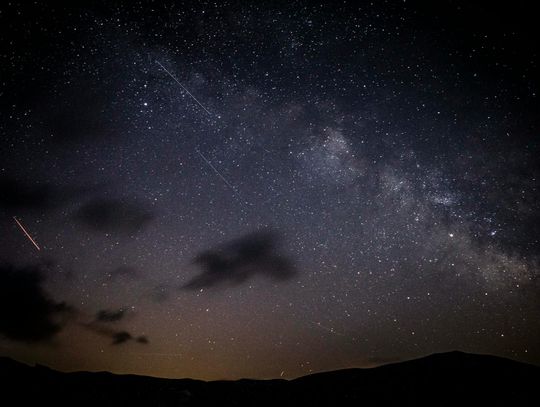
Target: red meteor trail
[(26, 233)]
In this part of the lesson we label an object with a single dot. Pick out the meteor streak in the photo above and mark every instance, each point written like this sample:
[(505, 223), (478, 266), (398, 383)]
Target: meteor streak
[(215, 170), (222, 177), (26, 233), (183, 87)]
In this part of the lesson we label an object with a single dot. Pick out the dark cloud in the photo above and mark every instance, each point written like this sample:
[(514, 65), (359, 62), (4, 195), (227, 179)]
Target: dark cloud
[(117, 336), (17, 195), (101, 326), (110, 316), (240, 260), (121, 337), (142, 339), (111, 215), (27, 313)]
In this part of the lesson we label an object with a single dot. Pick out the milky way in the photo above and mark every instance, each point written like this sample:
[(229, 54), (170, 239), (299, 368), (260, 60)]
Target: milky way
[(328, 186)]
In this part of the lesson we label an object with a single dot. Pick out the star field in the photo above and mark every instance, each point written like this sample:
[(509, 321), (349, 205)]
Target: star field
[(226, 190)]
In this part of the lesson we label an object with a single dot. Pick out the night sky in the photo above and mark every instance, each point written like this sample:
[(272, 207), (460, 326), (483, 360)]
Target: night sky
[(249, 189)]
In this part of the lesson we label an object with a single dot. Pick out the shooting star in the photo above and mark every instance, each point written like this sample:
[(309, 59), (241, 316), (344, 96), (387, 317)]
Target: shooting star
[(26, 233), (221, 176), (183, 87), (216, 171)]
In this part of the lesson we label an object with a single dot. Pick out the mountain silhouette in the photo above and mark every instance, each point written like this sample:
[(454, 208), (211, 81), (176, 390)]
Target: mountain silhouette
[(445, 379)]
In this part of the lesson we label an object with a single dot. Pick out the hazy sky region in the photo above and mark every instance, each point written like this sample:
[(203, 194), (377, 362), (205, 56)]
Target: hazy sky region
[(267, 189)]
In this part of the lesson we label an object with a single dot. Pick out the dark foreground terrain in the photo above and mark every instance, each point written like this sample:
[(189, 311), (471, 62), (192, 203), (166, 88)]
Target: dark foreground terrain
[(448, 379)]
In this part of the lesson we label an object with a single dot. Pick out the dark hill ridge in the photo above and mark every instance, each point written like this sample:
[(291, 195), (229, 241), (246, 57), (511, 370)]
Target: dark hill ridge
[(446, 379)]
